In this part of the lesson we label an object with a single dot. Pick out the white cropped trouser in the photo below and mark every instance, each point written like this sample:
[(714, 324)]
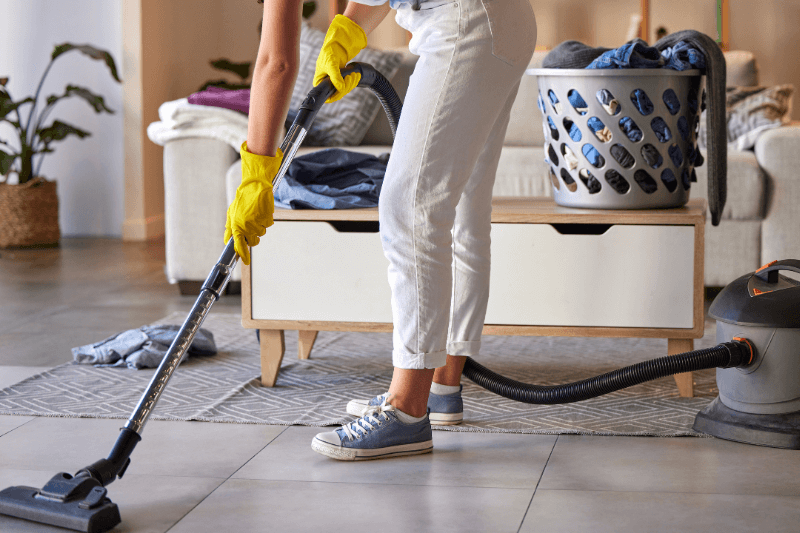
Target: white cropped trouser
[(435, 204)]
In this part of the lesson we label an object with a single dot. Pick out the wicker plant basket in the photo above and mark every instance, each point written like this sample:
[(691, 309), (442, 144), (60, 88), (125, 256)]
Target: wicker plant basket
[(29, 214)]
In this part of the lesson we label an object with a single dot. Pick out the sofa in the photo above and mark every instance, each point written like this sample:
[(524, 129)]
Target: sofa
[(759, 223)]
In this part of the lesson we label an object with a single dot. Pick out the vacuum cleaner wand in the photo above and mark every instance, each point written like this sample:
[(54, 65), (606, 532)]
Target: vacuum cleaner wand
[(79, 502)]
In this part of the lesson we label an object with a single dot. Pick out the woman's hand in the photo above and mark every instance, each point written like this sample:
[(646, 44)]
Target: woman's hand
[(250, 213), (343, 41)]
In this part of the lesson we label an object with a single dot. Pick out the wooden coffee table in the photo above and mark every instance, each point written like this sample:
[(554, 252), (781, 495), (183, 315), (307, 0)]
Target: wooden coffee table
[(556, 271)]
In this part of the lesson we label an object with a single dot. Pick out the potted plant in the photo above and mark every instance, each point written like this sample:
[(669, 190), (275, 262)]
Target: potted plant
[(29, 207)]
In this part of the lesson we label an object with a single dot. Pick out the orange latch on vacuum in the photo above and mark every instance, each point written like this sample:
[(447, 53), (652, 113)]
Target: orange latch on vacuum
[(767, 265), (750, 346)]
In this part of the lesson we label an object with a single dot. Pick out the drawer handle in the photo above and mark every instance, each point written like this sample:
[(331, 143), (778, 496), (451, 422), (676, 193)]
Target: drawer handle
[(355, 226), (581, 229)]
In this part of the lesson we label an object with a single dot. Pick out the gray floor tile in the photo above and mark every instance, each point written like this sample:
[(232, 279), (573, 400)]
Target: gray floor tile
[(289, 506), (10, 423), (556, 511), (147, 504), (458, 459), (9, 375), (168, 448), (671, 465), (47, 348), (78, 317)]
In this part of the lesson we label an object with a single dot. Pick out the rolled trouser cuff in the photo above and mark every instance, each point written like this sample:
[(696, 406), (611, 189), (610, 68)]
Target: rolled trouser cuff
[(419, 361), (464, 348)]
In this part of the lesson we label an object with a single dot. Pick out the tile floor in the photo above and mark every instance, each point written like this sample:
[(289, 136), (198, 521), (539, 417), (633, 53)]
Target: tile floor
[(203, 477)]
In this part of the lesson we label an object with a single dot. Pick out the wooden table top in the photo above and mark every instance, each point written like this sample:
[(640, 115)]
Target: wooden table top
[(533, 211)]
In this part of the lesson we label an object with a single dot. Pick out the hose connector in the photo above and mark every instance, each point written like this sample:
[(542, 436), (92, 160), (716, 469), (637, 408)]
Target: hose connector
[(742, 352)]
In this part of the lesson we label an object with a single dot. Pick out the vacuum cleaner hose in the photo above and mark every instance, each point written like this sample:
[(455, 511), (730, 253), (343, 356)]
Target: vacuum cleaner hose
[(370, 79), (726, 355)]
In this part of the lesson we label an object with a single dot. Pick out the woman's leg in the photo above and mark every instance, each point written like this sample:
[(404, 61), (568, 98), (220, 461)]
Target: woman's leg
[(459, 90), (472, 255)]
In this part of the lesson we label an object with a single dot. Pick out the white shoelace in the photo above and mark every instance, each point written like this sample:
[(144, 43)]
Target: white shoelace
[(372, 417)]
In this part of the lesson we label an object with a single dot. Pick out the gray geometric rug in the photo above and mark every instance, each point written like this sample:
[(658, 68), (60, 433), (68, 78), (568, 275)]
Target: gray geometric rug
[(314, 392)]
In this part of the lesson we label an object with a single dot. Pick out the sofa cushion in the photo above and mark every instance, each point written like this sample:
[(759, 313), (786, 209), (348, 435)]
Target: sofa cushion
[(747, 186), (741, 69), (379, 132), (522, 172), (526, 127)]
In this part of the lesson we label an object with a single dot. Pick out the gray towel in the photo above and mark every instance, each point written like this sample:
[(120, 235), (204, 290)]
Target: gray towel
[(715, 72), (144, 347), (572, 54)]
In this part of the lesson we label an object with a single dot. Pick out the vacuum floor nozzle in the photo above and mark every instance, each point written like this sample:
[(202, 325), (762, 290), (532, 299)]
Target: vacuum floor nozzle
[(65, 501)]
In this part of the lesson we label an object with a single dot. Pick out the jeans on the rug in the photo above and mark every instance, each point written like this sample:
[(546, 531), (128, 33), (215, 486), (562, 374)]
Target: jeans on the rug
[(436, 201)]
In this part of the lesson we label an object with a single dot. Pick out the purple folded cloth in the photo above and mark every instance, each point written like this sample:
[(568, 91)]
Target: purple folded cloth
[(237, 100)]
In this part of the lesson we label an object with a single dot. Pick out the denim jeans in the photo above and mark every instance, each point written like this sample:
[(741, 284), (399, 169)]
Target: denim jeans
[(435, 204)]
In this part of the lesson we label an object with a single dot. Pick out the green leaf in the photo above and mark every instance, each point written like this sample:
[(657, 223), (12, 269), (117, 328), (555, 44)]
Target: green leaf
[(240, 69), (223, 84), (91, 51), (308, 9), (58, 131), (7, 105), (6, 160), (94, 100)]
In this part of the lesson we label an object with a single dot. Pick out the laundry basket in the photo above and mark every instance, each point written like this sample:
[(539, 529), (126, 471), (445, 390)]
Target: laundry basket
[(622, 138)]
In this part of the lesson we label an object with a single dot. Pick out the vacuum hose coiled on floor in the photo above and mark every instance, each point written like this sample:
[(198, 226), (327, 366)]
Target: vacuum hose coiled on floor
[(725, 355)]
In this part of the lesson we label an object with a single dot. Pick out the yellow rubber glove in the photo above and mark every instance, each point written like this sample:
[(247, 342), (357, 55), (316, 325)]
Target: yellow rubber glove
[(250, 213), (343, 41)]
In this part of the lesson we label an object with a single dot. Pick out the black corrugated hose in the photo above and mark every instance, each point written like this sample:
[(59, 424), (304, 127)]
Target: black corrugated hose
[(725, 355), (380, 86)]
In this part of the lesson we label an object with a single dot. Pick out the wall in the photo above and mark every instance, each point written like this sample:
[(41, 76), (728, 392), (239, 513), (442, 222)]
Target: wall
[(770, 29), (89, 171), (169, 46)]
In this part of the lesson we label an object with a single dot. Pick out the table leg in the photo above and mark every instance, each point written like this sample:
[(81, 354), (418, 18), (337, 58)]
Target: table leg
[(305, 341), (684, 381), (272, 345)]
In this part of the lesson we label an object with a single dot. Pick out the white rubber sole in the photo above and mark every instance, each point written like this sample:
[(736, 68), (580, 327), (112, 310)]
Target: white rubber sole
[(359, 407), (446, 419), (351, 454)]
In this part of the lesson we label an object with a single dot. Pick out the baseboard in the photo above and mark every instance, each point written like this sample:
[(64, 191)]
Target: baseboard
[(143, 229)]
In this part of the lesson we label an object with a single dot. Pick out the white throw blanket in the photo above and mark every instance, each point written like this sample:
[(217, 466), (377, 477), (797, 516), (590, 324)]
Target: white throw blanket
[(181, 120)]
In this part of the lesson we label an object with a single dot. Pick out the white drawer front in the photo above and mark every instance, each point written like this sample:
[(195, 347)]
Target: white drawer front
[(310, 271), (630, 276)]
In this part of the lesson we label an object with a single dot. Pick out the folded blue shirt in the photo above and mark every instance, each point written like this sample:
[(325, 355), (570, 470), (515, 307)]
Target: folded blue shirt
[(332, 179)]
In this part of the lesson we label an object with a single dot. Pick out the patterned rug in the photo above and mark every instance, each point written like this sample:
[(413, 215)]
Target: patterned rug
[(314, 392)]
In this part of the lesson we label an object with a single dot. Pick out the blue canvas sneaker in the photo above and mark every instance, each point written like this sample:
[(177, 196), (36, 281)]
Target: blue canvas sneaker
[(443, 410), (377, 435)]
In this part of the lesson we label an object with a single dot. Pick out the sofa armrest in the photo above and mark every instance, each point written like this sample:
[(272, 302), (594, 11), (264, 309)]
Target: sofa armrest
[(195, 205), (778, 153)]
